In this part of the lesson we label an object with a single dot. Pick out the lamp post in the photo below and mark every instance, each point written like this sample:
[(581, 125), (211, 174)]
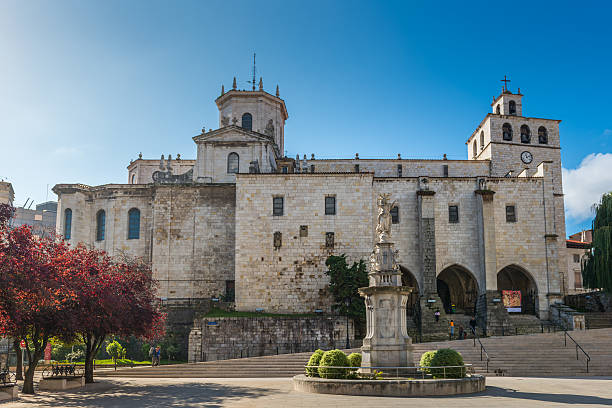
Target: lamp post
[(347, 302)]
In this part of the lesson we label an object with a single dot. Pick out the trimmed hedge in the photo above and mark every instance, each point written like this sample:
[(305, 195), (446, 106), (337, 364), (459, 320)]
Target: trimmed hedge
[(443, 358), (315, 359), (354, 359), (333, 358)]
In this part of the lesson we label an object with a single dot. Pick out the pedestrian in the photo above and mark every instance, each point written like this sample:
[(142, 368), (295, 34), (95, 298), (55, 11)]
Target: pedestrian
[(473, 325), (461, 332), (157, 355), (452, 329), (152, 355), (437, 315)]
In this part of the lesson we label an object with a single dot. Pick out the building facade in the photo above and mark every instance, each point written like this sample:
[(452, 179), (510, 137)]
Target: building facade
[(241, 219)]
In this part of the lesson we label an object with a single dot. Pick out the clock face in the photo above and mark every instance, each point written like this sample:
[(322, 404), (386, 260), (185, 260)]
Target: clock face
[(526, 157)]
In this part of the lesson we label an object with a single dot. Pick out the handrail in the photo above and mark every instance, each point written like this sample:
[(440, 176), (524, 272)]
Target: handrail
[(482, 348), (397, 368), (578, 346)]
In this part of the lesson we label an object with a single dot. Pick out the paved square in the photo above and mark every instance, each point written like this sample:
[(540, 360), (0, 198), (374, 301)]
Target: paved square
[(278, 392)]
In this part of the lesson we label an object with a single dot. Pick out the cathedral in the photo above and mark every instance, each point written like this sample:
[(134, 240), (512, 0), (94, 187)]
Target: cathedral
[(245, 223)]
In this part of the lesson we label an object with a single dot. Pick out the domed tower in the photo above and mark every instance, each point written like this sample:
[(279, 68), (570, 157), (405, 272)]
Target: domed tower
[(254, 110)]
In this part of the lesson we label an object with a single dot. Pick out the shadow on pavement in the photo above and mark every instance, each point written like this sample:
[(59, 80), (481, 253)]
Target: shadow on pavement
[(536, 396), (189, 394)]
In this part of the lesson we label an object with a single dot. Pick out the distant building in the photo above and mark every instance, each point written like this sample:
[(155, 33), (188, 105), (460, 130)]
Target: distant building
[(42, 219), (578, 245), (7, 195)]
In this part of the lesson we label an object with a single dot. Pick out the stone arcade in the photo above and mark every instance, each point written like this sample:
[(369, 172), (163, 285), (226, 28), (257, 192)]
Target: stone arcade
[(243, 220)]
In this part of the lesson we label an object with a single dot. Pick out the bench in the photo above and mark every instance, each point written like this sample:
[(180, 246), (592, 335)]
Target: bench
[(8, 385), (60, 377)]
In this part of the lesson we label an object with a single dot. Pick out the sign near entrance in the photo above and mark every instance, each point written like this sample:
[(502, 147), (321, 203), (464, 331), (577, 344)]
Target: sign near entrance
[(512, 300), (22, 344)]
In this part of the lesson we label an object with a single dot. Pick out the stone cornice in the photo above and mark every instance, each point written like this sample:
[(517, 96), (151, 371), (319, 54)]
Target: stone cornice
[(252, 94)]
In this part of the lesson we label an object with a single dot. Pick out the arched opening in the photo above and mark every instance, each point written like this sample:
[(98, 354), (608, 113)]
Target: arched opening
[(497, 110), (525, 134), (542, 135), (233, 163), (67, 223), (247, 121), (134, 223), (475, 149), (513, 278), (507, 131), (512, 107), (458, 290), (408, 279), (481, 140), (100, 225)]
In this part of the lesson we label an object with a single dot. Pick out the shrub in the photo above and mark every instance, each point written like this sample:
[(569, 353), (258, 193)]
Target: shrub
[(354, 359), (315, 359), (444, 358), (426, 360), (333, 358)]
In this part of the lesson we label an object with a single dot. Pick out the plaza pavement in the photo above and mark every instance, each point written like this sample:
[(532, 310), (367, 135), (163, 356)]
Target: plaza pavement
[(503, 392)]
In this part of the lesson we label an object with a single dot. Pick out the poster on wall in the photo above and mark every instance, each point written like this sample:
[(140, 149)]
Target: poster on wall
[(512, 300)]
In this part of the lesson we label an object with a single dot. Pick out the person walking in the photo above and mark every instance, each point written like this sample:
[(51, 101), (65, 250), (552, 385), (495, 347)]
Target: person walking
[(473, 325), (157, 355), (152, 355), (461, 332), (437, 316), (452, 329)]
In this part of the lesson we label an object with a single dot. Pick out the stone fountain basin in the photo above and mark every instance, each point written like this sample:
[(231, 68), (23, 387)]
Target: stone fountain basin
[(391, 388)]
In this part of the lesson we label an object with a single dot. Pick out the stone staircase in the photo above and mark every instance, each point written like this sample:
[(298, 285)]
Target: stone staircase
[(598, 320), (525, 324), (533, 355)]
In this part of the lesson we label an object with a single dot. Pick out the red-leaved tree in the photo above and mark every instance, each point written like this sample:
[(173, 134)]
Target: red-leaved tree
[(113, 298), (36, 299)]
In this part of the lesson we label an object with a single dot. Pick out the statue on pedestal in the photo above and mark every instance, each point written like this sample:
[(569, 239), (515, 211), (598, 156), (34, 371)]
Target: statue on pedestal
[(387, 343)]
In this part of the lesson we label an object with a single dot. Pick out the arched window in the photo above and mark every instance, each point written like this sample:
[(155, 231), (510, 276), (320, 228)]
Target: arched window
[(507, 131), (100, 225), (512, 107), (475, 149), (542, 135), (497, 110), (481, 140), (233, 163), (247, 121), (67, 223), (133, 178), (525, 134), (134, 223)]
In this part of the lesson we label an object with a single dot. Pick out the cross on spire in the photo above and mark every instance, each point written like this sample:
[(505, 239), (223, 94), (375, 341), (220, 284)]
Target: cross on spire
[(505, 81)]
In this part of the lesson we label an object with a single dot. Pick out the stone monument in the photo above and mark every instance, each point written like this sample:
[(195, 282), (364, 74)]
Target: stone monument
[(386, 343)]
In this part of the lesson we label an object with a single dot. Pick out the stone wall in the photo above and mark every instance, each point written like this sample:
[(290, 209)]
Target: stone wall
[(291, 278), (193, 239), (222, 338), (7, 195)]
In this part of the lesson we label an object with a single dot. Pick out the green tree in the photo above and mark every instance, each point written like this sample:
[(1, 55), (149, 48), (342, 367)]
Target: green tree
[(597, 268), (116, 351), (344, 282)]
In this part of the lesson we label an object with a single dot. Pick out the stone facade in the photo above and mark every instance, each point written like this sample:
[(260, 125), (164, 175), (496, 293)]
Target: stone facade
[(7, 195), (465, 229), (222, 338)]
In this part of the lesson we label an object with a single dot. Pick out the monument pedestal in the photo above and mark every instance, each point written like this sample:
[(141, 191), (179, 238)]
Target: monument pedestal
[(387, 343)]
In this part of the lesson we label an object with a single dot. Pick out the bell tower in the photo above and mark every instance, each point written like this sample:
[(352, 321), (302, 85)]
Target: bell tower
[(254, 110)]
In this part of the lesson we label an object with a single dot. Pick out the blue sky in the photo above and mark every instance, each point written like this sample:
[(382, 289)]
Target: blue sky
[(85, 86)]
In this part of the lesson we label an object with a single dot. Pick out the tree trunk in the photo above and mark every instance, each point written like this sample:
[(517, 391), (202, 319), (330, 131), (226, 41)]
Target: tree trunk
[(28, 383), (19, 366), (92, 345)]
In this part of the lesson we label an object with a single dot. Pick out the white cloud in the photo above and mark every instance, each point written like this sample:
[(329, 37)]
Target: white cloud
[(584, 185)]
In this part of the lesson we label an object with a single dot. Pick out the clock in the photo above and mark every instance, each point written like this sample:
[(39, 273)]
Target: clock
[(526, 157)]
